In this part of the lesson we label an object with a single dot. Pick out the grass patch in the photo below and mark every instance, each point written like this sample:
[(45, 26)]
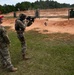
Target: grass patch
[(51, 54)]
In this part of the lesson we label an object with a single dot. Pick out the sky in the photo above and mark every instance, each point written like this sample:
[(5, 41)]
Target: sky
[(13, 2)]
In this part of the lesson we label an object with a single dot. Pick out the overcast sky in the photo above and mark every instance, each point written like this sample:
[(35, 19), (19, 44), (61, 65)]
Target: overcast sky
[(13, 2)]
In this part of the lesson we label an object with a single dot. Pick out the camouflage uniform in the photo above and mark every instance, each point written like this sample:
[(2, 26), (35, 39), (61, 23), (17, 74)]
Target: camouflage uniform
[(4, 43), (20, 34), (20, 24)]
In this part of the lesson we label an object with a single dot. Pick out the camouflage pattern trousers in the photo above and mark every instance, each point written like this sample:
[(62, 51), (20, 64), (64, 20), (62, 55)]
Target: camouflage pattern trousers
[(23, 43), (5, 56)]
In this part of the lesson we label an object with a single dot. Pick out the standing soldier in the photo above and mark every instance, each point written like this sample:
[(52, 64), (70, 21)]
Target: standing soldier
[(4, 52), (20, 25)]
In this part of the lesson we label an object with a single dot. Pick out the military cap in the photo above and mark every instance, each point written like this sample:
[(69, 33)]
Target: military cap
[(1, 17)]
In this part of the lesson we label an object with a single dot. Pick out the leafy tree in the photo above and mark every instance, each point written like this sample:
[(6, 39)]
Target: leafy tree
[(39, 4), (72, 6), (17, 6)]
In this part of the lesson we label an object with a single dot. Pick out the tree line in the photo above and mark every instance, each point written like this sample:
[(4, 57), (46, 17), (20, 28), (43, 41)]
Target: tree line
[(48, 4)]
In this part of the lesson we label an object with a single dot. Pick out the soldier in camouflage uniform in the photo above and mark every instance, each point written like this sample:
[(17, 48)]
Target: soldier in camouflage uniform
[(20, 24), (4, 52)]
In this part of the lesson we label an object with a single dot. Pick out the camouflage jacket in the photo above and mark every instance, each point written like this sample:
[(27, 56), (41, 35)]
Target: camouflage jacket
[(3, 36), (20, 25)]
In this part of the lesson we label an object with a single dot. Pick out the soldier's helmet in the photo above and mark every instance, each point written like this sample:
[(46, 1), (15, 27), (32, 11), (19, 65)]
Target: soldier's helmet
[(22, 16)]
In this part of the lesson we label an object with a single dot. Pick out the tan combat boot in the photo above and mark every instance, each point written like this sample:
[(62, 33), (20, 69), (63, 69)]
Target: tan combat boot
[(13, 69), (24, 57)]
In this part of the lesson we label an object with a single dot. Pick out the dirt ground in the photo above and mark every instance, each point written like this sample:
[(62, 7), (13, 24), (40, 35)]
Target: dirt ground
[(46, 25)]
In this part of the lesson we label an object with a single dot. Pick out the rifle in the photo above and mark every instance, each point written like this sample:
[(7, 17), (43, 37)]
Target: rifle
[(30, 19)]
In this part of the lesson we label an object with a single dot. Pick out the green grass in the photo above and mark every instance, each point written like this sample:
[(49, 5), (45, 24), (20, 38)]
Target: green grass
[(51, 54)]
